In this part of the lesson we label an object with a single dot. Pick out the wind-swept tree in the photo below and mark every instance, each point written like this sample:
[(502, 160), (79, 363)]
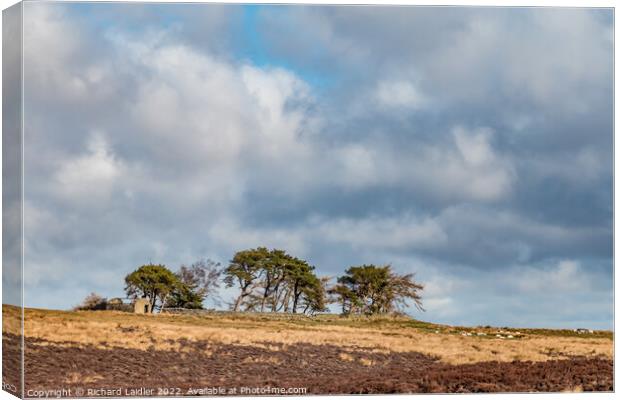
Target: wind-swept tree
[(272, 274), (275, 280), (301, 279), (151, 281), (341, 293), (402, 289), (315, 296), (370, 289), (243, 271)]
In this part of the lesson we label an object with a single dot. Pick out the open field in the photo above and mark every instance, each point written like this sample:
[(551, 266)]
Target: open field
[(325, 354)]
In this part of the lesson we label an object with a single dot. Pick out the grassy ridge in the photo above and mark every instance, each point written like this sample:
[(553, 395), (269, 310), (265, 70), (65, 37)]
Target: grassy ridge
[(383, 334), (256, 320)]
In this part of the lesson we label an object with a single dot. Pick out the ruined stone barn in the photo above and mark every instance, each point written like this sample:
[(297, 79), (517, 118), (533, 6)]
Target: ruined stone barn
[(142, 306), (117, 304), (138, 306)]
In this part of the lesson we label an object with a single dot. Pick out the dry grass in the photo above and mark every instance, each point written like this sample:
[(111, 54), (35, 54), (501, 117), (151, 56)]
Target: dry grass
[(11, 319), (106, 329)]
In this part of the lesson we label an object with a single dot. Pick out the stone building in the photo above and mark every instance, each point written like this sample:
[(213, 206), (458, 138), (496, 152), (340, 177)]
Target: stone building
[(142, 306), (117, 304)]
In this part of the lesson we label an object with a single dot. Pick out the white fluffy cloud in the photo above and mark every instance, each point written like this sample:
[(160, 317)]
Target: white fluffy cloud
[(400, 95), (566, 276), (475, 169), (467, 167), (90, 177), (214, 110)]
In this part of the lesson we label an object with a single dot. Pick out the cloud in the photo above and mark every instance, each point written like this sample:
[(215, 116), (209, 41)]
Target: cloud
[(400, 95), (117, 188), (89, 177), (567, 276), (464, 168), (477, 170), (476, 53), (375, 234), (480, 155), (231, 235), (533, 295), (490, 238)]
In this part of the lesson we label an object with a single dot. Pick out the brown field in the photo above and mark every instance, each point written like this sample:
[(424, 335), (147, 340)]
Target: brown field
[(325, 354)]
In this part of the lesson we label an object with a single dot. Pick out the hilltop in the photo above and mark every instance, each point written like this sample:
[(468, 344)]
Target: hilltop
[(276, 349)]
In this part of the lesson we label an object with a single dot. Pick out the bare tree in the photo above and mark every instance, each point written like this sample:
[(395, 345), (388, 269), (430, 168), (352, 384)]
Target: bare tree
[(198, 282)]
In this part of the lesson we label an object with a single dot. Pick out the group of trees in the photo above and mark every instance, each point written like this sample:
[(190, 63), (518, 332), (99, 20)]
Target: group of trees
[(272, 281), (186, 288)]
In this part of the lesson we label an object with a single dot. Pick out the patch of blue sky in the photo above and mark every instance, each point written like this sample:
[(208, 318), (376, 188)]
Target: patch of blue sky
[(252, 46)]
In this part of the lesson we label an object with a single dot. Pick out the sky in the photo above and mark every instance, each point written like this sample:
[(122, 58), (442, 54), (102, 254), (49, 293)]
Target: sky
[(471, 146)]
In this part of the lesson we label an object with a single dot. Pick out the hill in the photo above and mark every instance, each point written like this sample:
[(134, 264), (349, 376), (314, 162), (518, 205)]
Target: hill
[(323, 354)]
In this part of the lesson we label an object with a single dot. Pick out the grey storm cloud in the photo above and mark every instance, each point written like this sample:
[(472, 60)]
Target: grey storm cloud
[(470, 145)]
